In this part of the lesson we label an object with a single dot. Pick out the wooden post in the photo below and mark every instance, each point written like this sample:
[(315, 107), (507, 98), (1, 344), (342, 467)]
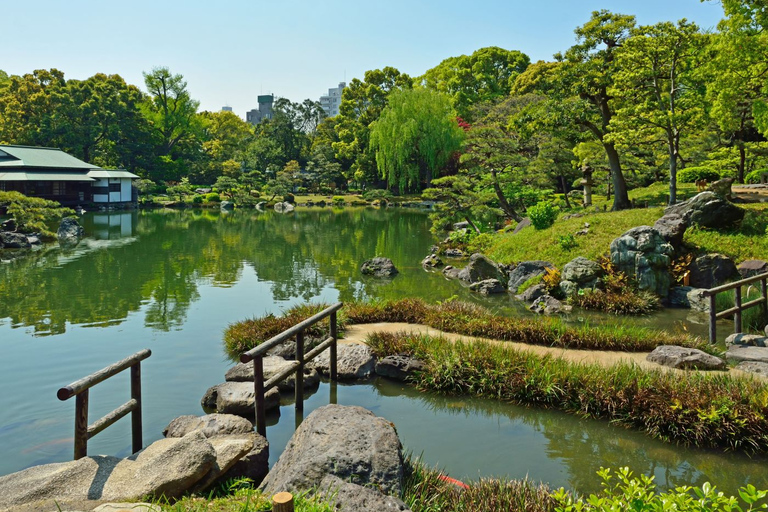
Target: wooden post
[(136, 427), (299, 381), (737, 314), (334, 335), (81, 424), (764, 286), (282, 502), (334, 393), (712, 319), (258, 388)]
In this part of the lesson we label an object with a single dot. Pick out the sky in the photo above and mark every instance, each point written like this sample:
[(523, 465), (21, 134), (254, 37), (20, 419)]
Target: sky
[(230, 51)]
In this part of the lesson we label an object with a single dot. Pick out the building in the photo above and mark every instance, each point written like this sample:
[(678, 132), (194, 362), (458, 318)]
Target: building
[(50, 173), (264, 111), (226, 109), (332, 101)]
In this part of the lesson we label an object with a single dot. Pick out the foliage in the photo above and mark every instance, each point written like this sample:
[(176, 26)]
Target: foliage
[(459, 200), (755, 176), (377, 193), (542, 215), (567, 241), (628, 492), (752, 319), (551, 279), (32, 214), (617, 294), (694, 174), (741, 243), (212, 197)]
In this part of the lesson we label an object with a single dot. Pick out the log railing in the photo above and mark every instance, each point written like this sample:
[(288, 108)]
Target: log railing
[(79, 389), (256, 355), (735, 311)]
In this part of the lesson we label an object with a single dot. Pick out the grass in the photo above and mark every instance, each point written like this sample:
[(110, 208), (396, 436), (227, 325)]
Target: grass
[(691, 408), (753, 318)]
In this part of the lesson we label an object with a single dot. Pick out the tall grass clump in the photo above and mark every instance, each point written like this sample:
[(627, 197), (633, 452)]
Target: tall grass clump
[(618, 294), (691, 408), (752, 319)]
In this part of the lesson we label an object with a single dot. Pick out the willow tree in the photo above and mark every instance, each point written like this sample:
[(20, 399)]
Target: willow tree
[(415, 137)]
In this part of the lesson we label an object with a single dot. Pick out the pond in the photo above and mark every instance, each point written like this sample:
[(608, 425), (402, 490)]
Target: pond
[(171, 281)]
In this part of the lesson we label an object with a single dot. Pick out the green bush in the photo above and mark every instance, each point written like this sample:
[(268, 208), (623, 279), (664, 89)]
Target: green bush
[(567, 242), (694, 174), (197, 199), (213, 197), (377, 193), (339, 200), (542, 214), (755, 177), (289, 198)]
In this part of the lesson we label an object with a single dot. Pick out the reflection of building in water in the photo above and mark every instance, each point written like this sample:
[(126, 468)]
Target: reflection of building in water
[(113, 225)]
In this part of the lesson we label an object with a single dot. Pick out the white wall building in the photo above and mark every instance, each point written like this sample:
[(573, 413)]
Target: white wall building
[(331, 101)]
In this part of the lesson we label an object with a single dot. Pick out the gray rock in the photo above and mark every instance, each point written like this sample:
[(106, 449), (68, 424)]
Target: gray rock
[(672, 227), (521, 225), (227, 205), (678, 297), (10, 240), (432, 261), (643, 253), (722, 188), (34, 240), (229, 450), (453, 253), (739, 353), (273, 365), (711, 270), (753, 367), (548, 305), (751, 268), (578, 274), (488, 287), (746, 340), (698, 301), (128, 507), (399, 367), (345, 441), (460, 225), (533, 293), (684, 358), (481, 268), (211, 425), (237, 398), (167, 467), (70, 232), (709, 210), (525, 271), (284, 207), (451, 272), (353, 361), (379, 267), (351, 497)]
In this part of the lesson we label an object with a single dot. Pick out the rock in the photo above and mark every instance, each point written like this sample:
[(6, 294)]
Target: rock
[(672, 228), (211, 425), (481, 268), (70, 232), (746, 340), (432, 261), (525, 271), (709, 210), (451, 272), (353, 361), (722, 188), (10, 240), (578, 274), (167, 467), (399, 367), (261, 205), (227, 205), (273, 365), (643, 253), (348, 442), (351, 497), (685, 358), (548, 305), (751, 268), (753, 367), (460, 225), (766, 330), (34, 239), (229, 450), (284, 207), (237, 398), (678, 297), (697, 300), (533, 293), (453, 253), (128, 507), (487, 287), (8, 225), (740, 353), (379, 267), (521, 225), (711, 270)]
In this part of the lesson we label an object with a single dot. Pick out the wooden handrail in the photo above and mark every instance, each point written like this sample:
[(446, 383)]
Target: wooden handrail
[(735, 311), (735, 284)]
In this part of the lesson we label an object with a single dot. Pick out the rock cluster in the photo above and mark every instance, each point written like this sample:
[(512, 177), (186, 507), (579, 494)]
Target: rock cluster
[(578, 274), (643, 253), (379, 267)]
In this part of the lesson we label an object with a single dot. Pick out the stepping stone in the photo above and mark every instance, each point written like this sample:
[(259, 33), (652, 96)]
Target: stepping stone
[(739, 353)]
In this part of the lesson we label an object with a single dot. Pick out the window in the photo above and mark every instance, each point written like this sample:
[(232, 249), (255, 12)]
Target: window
[(114, 187), (59, 188), (100, 190)]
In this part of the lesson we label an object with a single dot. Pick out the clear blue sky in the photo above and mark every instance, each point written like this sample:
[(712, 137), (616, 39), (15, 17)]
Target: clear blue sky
[(232, 50)]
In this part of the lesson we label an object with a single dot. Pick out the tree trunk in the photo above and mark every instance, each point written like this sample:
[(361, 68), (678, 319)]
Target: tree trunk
[(503, 203), (620, 194), (565, 192), (742, 162), (672, 178)]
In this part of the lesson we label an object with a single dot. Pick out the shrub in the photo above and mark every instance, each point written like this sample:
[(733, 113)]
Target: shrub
[(339, 200), (567, 242), (197, 199), (289, 198), (212, 197), (377, 193), (479, 243), (694, 174), (756, 176), (542, 214)]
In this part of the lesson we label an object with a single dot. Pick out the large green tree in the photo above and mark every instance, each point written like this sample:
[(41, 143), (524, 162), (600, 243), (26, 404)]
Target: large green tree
[(25, 106), (415, 137)]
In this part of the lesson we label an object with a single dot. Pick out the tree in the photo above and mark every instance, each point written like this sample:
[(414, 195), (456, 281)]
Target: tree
[(459, 199), (657, 88), (25, 106), (170, 109), (32, 214), (486, 76), (225, 142), (414, 138)]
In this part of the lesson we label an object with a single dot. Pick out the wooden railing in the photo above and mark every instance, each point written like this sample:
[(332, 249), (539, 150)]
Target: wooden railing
[(735, 311), (79, 389), (256, 355)]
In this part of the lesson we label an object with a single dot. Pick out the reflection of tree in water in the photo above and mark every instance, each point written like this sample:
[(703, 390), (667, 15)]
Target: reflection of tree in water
[(585, 445)]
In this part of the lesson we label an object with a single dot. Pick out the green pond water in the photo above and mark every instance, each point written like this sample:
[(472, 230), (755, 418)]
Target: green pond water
[(171, 281)]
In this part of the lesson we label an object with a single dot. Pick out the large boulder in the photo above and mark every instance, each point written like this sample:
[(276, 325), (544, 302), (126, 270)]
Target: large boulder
[(211, 425), (237, 398), (746, 340), (685, 358), (227, 205), (351, 497), (548, 305), (755, 367), (533, 292), (709, 210), (643, 253), (243, 372), (578, 274), (481, 268), (353, 362), (749, 268), (348, 442), (723, 188), (284, 207), (711, 270), (487, 287), (378, 267), (688, 297), (399, 367), (672, 228), (744, 353), (70, 232), (525, 271), (10, 240)]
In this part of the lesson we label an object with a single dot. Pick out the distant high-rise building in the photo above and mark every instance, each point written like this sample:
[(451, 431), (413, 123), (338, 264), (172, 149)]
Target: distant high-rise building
[(226, 109), (264, 111), (331, 101)]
